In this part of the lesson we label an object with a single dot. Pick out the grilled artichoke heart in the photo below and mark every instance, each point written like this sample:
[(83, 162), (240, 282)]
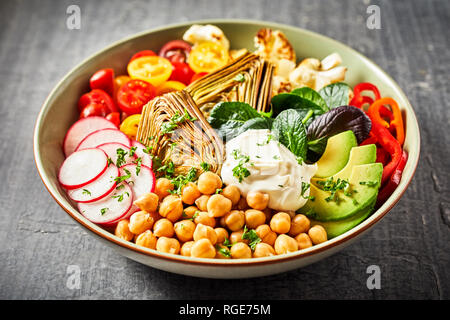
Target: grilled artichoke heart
[(247, 78), (175, 130)]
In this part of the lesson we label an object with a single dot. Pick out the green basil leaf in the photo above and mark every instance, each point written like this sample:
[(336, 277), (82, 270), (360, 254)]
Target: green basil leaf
[(229, 117), (311, 95), (291, 132), (335, 94)]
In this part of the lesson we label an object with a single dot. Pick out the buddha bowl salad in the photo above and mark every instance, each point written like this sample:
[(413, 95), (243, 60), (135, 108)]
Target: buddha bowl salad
[(212, 152)]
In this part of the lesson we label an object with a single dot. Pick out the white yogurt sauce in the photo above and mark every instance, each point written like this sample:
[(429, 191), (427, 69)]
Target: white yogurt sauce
[(273, 168)]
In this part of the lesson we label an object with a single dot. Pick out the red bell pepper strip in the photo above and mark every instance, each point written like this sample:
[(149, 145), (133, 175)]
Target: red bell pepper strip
[(382, 156), (393, 182), (390, 144), (359, 100), (375, 113)]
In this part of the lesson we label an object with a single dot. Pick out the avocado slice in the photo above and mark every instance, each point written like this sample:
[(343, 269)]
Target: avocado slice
[(336, 154), (361, 190), (358, 155), (336, 228)]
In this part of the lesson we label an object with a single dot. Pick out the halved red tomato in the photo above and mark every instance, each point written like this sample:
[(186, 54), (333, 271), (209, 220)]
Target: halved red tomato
[(175, 51), (93, 109), (133, 95), (181, 72), (97, 96), (114, 117), (143, 53), (103, 79)]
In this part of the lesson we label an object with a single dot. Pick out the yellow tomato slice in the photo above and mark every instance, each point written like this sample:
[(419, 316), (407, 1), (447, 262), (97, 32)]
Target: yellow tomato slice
[(207, 57), (153, 69), (169, 86), (129, 126)]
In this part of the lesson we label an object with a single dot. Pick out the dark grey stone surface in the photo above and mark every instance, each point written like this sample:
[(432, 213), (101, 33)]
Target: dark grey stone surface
[(38, 240)]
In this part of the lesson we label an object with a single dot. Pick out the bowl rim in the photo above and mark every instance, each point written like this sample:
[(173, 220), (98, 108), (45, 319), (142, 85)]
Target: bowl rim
[(254, 262)]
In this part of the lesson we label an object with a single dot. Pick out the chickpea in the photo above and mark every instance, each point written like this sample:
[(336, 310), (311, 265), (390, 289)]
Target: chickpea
[(204, 218), (222, 252), (189, 212), (285, 244), (242, 204), (263, 250), (234, 220), (218, 205), (202, 202), (236, 236), (171, 208), (146, 239), (222, 234), (184, 230), (140, 221), (190, 193), (299, 224), (208, 182), (205, 232), (280, 222), (147, 202), (203, 249), (254, 218), (186, 248), (303, 241), (318, 234), (266, 234), (233, 193), (163, 228), (168, 245), (257, 200), (123, 231), (162, 187), (240, 250)]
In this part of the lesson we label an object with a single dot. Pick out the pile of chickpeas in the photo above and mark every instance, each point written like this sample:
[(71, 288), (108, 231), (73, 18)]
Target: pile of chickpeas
[(204, 216)]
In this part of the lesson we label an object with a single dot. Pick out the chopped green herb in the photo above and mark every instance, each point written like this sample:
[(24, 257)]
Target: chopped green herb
[(138, 163), (123, 178), (218, 191), (281, 186), (103, 210), (120, 187), (240, 171), (369, 183), (276, 157), (305, 187), (168, 169), (223, 251), (205, 166), (87, 192), (147, 150), (227, 243), (239, 78), (259, 157), (251, 236), (172, 124), (120, 197), (269, 138), (109, 161), (120, 157), (132, 151), (181, 180), (333, 186)]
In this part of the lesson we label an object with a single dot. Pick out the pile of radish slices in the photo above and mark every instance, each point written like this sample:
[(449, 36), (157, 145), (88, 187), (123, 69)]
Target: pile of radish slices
[(104, 171)]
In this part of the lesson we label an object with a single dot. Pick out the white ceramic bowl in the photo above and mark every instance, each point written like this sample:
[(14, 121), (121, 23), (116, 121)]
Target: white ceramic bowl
[(59, 112)]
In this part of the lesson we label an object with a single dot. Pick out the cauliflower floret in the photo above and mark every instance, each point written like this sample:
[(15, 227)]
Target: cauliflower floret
[(273, 46), (197, 34)]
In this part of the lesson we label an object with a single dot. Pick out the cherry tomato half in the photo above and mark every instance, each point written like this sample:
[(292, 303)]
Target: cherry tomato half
[(118, 82), (181, 72), (143, 53), (154, 70), (114, 117), (198, 76), (175, 51), (133, 95), (103, 79), (97, 96), (130, 125), (94, 109), (207, 57), (169, 86)]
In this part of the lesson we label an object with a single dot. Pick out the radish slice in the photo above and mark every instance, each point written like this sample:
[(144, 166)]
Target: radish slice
[(111, 148), (102, 136), (111, 208), (141, 183), (146, 159), (98, 189), (81, 129), (82, 167)]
